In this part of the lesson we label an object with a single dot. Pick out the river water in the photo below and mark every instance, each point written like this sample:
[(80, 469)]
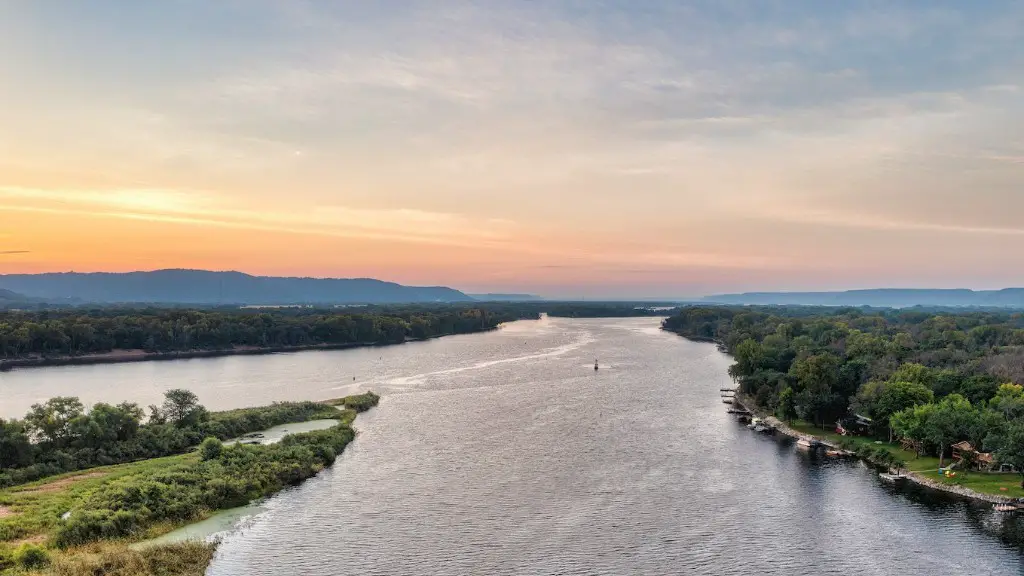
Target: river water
[(506, 453)]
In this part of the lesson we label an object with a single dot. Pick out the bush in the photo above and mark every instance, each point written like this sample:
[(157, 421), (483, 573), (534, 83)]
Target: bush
[(361, 402), (30, 556), (211, 448)]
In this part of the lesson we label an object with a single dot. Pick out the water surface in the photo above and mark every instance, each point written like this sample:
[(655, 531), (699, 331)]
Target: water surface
[(506, 453)]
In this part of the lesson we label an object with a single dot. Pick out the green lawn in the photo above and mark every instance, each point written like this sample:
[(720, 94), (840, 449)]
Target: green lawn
[(33, 510), (928, 466)]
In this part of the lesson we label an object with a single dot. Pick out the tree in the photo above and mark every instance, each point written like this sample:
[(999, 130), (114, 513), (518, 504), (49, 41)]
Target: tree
[(915, 373), (898, 396), (749, 356), (15, 447), (182, 407), (1012, 449), (816, 377), (51, 420), (786, 410), (911, 424), (156, 416), (1009, 401), (954, 419)]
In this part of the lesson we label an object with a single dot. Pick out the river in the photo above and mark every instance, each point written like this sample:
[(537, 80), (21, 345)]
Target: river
[(506, 453)]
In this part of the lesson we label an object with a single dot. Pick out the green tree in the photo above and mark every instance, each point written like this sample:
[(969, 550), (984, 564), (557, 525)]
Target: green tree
[(786, 409), (953, 420), (1012, 449), (51, 420), (915, 373), (1009, 401), (181, 407), (15, 447), (912, 424), (898, 396)]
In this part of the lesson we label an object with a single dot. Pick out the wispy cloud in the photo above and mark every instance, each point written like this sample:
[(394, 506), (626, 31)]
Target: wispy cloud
[(206, 209), (588, 137)]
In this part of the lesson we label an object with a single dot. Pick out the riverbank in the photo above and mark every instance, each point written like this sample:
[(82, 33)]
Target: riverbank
[(915, 474), (70, 520), (123, 356)]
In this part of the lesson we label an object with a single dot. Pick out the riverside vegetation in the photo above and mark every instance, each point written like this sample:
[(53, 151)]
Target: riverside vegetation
[(76, 332), (927, 379), (62, 334), (79, 523)]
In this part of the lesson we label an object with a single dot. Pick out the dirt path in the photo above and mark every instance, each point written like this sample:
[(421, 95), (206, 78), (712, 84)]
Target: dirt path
[(61, 484)]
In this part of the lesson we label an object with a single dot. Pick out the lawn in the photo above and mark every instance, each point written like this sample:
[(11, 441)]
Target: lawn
[(928, 466), (30, 512)]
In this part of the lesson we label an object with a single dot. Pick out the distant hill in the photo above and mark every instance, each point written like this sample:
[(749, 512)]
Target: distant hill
[(506, 297), (206, 287), (885, 298), (6, 296)]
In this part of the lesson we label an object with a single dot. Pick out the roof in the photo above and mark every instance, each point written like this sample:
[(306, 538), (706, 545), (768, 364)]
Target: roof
[(963, 446), (986, 457)]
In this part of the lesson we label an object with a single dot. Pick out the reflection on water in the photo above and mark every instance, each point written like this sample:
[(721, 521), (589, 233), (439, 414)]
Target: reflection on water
[(234, 520), (505, 453), (275, 434)]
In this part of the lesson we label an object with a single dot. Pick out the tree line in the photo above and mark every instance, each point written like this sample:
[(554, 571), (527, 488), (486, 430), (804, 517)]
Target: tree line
[(77, 332), (928, 378), (59, 435)]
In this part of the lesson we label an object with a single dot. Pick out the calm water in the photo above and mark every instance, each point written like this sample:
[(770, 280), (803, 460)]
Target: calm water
[(505, 453)]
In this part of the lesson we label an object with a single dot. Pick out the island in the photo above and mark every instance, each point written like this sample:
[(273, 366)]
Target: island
[(78, 487)]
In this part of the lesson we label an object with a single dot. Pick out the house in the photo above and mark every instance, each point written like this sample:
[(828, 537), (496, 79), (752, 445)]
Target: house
[(982, 461), (854, 424), (961, 447)]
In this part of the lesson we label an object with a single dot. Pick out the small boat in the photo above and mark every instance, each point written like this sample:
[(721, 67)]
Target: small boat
[(595, 365), (1005, 508), (804, 444), (891, 478)]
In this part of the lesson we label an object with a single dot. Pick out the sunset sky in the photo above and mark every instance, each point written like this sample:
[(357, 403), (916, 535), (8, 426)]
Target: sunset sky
[(567, 148)]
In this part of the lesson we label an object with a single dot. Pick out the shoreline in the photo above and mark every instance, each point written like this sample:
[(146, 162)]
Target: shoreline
[(785, 430), (88, 554), (915, 477), (126, 356)]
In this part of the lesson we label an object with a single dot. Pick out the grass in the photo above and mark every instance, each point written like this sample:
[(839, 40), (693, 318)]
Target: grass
[(113, 559), (30, 514), (927, 466), (36, 508)]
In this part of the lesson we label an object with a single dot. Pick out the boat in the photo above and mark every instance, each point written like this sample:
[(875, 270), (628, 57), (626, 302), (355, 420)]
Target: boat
[(595, 365), (754, 423), (804, 444), (1005, 507), (891, 478)]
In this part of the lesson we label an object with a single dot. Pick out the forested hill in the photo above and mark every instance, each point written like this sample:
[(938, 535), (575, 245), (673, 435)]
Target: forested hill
[(206, 287), (882, 298)]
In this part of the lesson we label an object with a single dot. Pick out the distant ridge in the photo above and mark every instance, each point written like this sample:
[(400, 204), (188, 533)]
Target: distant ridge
[(506, 297), (206, 287), (882, 297)]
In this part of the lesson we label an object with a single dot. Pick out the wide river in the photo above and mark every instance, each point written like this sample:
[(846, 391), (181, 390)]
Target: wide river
[(506, 453)]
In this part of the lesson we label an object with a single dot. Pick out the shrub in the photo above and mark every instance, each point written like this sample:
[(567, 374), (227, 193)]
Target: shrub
[(30, 556), (211, 448)]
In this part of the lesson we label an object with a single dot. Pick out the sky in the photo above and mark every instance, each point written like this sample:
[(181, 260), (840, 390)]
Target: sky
[(576, 148)]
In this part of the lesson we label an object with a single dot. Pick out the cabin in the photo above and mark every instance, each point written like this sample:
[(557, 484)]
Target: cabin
[(855, 425), (982, 461)]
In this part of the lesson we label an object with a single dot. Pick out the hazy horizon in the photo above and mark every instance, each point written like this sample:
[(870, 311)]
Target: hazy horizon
[(615, 149)]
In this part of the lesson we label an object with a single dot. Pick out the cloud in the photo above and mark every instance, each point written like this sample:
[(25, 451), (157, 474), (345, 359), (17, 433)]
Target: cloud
[(15, 252), (209, 209)]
